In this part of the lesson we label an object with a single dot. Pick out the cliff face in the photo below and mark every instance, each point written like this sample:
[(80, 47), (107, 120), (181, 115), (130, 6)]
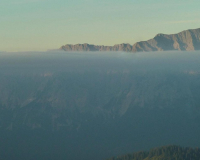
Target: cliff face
[(188, 40)]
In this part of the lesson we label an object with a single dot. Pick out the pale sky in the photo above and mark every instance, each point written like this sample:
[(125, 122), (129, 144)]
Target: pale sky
[(39, 25)]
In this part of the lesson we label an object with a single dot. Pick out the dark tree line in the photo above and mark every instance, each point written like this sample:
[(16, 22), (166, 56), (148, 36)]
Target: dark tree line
[(163, 153)]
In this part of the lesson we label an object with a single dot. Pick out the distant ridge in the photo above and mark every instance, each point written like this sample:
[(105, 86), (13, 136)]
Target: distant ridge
[(188, 40)]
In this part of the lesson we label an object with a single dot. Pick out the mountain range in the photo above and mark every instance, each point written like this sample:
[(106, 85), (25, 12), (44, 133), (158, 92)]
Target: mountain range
[(188, 40)]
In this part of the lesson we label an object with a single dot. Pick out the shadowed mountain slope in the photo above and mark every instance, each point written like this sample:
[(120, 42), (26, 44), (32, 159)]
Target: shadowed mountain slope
[(54, 105)]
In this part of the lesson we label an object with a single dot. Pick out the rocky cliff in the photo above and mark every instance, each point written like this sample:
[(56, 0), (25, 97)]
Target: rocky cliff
[(188, 40)]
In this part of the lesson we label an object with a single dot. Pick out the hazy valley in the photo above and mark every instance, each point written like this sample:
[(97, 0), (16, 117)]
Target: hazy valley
[(54, 105)]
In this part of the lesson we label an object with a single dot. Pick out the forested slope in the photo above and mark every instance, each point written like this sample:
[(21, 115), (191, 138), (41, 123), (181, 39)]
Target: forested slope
[(163, 153)]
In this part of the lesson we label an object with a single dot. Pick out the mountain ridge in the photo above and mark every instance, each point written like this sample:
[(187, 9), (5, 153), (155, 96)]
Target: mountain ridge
[(187, 40)]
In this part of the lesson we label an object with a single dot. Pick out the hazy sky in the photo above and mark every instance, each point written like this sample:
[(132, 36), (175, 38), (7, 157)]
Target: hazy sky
[(47, 24)]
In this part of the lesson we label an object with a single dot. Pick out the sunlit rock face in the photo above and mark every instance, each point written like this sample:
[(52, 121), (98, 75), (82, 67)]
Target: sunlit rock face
[(113, 102)]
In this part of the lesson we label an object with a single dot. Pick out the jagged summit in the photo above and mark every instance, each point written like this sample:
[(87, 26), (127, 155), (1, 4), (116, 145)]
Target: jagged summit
[(188, 40)]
